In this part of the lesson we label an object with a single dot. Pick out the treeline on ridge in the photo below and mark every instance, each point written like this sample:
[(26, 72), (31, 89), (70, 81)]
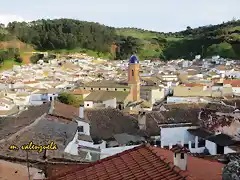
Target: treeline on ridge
[(222, 39)]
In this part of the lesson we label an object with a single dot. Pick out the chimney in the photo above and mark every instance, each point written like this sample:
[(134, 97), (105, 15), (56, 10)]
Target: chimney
[(81, 111), (142, 120), (180, 157)]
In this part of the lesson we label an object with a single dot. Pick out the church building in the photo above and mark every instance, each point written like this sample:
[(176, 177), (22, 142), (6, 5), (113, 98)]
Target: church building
[(108, 93)]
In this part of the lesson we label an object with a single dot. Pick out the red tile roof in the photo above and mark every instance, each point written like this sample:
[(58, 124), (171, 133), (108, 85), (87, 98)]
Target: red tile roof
[(61, 169), (179, 149), (233, 82), (64, 110), (145, 162), (210, 170)]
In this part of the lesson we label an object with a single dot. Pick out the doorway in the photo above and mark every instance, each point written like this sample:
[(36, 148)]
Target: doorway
[(120, 107)]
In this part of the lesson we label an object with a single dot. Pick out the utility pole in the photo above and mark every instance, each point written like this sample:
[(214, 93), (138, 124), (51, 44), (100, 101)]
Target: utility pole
[(28, 167)]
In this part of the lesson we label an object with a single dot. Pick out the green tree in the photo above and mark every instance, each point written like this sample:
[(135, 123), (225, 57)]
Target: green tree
[(70, 99), (223, 49), (36, 57)]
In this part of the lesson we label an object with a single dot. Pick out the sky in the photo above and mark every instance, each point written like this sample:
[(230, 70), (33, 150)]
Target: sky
[(156, 15)]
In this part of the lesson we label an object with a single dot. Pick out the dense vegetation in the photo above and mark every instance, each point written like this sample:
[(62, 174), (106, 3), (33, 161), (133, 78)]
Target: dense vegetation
[(70, 99), (68, 34), (10, 54)]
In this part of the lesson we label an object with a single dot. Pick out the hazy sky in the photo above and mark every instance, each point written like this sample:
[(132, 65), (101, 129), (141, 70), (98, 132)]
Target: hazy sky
[(159, 15)]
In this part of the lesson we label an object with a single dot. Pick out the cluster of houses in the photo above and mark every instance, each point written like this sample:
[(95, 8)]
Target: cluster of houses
[(138, 119)]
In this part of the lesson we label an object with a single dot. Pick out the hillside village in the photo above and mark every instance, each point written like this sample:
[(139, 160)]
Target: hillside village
[(138, 119)]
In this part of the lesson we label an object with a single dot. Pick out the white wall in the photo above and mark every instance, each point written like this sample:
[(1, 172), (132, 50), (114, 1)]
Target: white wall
[(36, 99), (175, 135), (86, 127), (169, 77), (236, 90), (88, 104), (228, 150), (212, 147), (22, 101), (18, 85), (85, 143), (157, 94), (196, 149), (54, 96), (72, 147), (110, 103), (173, 99), (181, 163), (4, 107), (111, 151)]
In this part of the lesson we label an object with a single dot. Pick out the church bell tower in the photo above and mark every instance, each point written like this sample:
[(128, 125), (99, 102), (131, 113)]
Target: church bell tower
[(133, 77)]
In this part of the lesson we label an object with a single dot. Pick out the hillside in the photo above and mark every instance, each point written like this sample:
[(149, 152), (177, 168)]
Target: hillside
[(222, 39), (119, 43)]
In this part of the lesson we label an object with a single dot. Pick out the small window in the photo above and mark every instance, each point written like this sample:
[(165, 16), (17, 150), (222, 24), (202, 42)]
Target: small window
[(132, 73), (175, 154), (182, 155), (91, 88), (107, 89), (80, 128), (99, 88), (84, 88), (87, 104), (124, 89), (115, 89)]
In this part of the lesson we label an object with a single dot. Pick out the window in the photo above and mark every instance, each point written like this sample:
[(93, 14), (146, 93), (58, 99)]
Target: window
[(107, 89), (132, 73), (84, 88), (80, 128), (175, 154), (87, 104), (99, 88), (91, 88), (124, 89), (182, 155), (115, 89)]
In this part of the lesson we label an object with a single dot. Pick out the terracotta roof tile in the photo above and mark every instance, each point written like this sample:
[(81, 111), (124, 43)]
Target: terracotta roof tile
[(64, 110), (179, 149), (140, 163), (210, 170), (233, 82)]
